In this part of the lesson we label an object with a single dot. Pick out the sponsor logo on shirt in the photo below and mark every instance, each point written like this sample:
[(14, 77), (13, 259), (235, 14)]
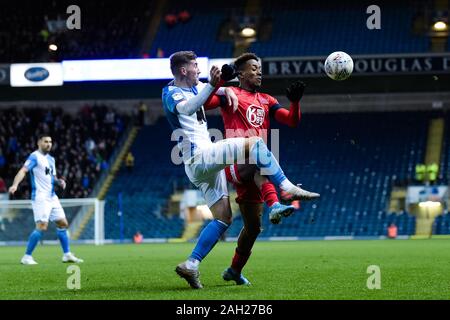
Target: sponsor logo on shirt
[(255, 115), (177, 96)]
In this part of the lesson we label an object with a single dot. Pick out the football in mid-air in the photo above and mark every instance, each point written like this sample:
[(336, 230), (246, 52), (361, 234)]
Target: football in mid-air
[(339, 66)]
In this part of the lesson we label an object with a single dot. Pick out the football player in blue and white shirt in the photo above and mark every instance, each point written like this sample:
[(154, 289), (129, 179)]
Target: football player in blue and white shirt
[(46, 206), (204, 161)]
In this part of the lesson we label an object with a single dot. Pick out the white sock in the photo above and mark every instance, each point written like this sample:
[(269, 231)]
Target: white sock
[(286, 185), (192, 264)]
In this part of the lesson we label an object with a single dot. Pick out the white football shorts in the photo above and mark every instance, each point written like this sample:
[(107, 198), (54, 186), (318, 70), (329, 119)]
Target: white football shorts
[(205, 168), (47, 209)]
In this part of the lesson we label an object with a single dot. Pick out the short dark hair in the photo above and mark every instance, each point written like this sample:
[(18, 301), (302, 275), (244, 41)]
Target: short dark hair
[(43, 135), (243, 58), (180, 58)]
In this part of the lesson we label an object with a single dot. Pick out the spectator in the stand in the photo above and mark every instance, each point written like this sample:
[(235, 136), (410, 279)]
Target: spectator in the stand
[(184, 16), (48, 117), (44, 34), (138, 237), (170, 20), (433, 171), (102, 145), (2, 186), (85, 181), (2, 161), (89, 145), (142, 111), (109, 117), (104, 166), (72, 135), (119, 125), (160, 53), (420, 172), (392, 231), (13, 147), (129, 161)]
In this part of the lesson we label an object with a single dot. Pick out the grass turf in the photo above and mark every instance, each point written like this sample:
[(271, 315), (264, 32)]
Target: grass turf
[(410, 269)]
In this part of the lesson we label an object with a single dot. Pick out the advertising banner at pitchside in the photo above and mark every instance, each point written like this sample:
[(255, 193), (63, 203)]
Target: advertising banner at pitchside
[(36, 74), (123, 69)]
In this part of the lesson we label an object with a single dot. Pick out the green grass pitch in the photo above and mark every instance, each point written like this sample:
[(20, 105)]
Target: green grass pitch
[(410, 269)]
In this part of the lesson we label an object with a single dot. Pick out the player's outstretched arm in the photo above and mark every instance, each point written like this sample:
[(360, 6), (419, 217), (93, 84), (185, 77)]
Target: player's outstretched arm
[(18, 179), (292, 117), (215, 100), (227, 73), (192, 105)]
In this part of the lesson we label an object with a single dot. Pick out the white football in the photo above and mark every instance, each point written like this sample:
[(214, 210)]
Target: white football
[(339, 66)]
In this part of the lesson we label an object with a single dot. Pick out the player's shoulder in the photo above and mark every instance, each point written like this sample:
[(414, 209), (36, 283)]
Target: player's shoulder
[(34, 154), (266, 98), (170, 90), (236, 90)]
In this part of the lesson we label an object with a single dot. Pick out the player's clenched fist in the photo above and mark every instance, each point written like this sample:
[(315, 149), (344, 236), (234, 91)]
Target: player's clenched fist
[(62, 183), (12, 189), (228, 72), (214, 75)]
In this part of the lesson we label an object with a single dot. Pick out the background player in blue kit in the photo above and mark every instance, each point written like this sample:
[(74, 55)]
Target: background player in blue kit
[(46, 206)]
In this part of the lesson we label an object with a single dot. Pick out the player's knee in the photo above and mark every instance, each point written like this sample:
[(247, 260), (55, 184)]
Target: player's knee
[(62, 224), (42, 226), (226, 219), (254, 140), (254, 230)]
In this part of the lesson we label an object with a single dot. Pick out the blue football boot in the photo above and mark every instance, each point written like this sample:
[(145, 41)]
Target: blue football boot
[(278, 210), (230, 274)]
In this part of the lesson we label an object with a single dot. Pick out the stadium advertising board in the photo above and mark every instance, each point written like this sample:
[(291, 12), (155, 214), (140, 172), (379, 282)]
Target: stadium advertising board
[(363, 65), (36, 74), (123, 69), (4, 74)]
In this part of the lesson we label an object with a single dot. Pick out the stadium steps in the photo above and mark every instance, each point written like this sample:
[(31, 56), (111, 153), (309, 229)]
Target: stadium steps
[(158, 8), (192, 229), (252, 9), (108, 181), (434, 142), (397, 199), (425, 219)]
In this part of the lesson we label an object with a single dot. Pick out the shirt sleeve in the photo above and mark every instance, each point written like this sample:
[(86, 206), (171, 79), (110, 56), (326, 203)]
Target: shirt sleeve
[(200, 86), (174, 97), (31, 162), (274, 105), (54, 166)]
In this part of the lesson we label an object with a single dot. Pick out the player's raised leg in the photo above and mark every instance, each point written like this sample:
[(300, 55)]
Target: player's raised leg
[(255, 150), (247, 174), (277, 210), (260, 155)]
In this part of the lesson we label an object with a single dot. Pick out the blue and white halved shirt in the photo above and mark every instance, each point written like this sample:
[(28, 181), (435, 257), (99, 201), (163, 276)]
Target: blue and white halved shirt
[(42, 174)]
